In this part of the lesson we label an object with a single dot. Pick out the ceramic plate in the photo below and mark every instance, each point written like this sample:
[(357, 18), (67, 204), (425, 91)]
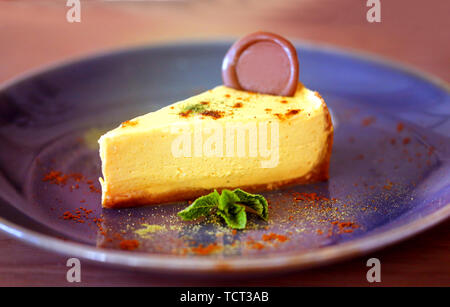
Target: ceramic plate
[(390, 168)]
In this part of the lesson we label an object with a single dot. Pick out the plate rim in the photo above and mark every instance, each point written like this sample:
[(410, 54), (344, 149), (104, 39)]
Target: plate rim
[(287, 261)]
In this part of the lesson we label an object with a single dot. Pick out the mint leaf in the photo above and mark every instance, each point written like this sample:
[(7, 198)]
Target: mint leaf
[(234, 215), (226, 199), (230, 205), (200, 207), (254, 201)]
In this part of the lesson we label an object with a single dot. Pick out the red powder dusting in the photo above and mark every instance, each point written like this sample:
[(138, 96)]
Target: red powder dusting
[(83, 215), (185, 114), (406, 141), (388, 186), (400, 127), (70, 216), (212, 113), (343, 227), (273, 236), (129, 123), (255, 245), (308, 196), (359, 157), (292, 112), (368, 121), (94, 189), (58, 178), (129, 244), (206, 250), (280, 116), (347, 226)]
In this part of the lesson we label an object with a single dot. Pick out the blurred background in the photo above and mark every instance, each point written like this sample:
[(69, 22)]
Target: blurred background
[(36, 32)]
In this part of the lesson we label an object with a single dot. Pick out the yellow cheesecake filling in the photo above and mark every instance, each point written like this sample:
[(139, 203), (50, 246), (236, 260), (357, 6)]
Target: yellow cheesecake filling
[(222, 138)]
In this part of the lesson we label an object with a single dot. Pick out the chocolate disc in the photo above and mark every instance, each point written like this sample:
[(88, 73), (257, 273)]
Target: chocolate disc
[(262, 62)]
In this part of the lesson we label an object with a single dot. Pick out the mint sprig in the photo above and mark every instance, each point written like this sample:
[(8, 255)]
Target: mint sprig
[(233, 213), (202, 206), (230, 205)]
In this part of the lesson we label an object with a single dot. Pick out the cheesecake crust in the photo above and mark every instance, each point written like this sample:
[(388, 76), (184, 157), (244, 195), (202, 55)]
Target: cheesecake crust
[(319, 173)]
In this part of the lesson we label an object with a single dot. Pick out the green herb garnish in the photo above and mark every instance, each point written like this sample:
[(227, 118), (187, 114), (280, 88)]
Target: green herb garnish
[(194, 108), (230, 205)]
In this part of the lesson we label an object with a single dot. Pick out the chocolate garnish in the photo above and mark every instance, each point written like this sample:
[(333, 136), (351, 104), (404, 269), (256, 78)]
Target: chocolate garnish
[(262, 62)]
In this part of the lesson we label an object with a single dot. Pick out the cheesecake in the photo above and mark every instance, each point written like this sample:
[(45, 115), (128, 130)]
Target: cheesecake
[(223, 138)]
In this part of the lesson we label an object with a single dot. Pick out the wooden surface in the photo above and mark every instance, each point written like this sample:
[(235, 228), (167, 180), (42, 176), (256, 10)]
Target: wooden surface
[(35, 33)]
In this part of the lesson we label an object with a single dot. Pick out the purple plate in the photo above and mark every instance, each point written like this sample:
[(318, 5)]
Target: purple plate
[(390, 168)]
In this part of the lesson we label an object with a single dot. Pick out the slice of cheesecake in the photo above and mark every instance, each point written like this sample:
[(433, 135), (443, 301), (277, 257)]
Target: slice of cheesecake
[(222, 138)]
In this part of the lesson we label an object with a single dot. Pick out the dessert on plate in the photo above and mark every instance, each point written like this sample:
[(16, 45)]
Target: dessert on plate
[(261, 130)]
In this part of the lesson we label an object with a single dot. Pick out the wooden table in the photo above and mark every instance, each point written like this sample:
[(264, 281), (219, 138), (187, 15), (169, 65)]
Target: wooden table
[(35, 33)]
